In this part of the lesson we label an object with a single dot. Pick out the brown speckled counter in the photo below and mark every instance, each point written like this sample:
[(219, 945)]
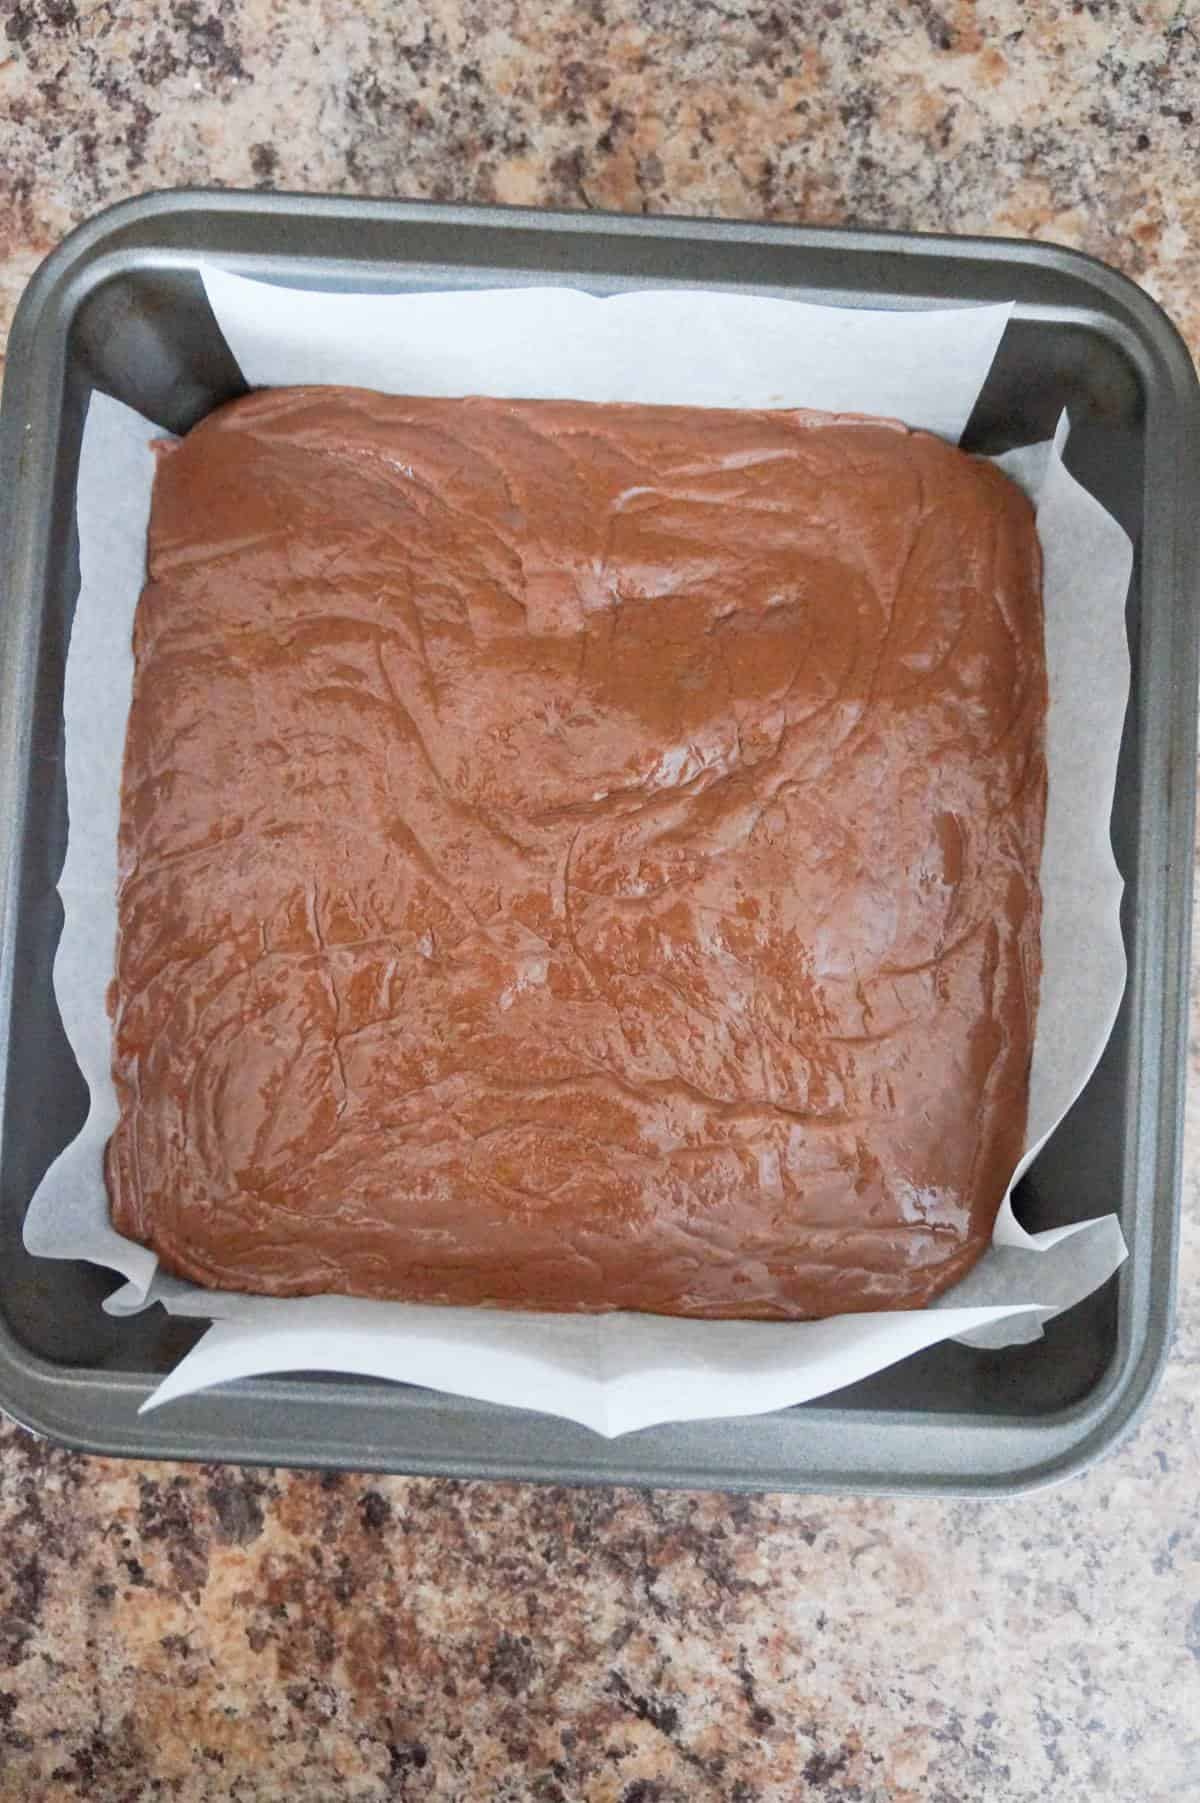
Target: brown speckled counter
[(179, 1633)]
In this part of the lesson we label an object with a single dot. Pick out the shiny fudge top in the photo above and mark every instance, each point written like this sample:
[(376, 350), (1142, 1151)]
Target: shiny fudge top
[(577, 857)]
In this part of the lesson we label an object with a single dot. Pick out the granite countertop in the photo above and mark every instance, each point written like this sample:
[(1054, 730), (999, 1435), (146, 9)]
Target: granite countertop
[(174, 1632)]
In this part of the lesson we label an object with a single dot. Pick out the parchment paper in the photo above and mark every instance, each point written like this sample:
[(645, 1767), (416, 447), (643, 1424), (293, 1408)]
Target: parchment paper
[(619, 1372)]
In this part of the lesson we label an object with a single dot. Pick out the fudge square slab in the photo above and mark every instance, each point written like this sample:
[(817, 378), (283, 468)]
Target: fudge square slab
[(577, 856)]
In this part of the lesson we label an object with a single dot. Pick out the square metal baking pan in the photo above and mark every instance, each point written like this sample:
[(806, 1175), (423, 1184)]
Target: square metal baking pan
[(120, 307)]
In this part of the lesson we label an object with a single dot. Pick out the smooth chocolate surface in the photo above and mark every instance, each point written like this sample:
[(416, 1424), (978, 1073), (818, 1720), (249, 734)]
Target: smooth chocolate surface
[(577, 857)]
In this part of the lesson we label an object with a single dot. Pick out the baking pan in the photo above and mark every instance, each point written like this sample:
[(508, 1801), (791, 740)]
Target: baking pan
[(120, 307)]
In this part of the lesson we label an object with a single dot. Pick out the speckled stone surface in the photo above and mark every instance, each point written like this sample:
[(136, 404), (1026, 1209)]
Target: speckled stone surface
[(193, 1634)]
